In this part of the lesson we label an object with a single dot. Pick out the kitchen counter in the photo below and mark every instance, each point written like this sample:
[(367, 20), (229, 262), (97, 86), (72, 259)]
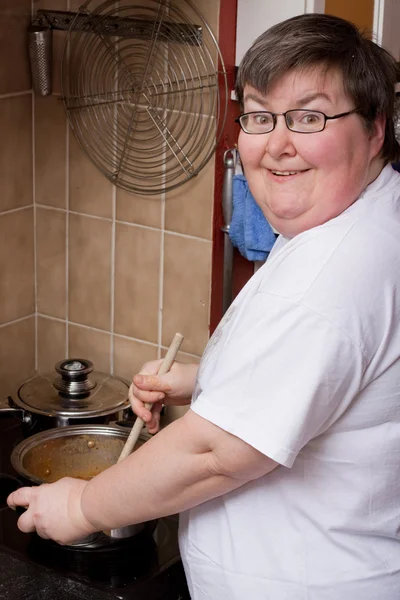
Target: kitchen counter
[(22, 581)]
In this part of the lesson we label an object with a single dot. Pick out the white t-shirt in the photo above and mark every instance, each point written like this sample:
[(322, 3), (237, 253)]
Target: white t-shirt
[(305, 367)]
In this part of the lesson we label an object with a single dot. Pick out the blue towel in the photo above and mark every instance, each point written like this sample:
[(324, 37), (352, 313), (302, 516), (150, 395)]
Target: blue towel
[(249, 230)]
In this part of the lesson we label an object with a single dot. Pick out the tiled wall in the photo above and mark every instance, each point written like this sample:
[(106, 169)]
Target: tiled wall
[(116, 274), (17, 271)]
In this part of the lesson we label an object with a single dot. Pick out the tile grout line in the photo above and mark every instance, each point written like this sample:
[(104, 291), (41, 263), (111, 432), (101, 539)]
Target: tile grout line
[(67, 216), (162, 257), (35, 288), (35, 258), (161, 279), (2, 325), (35, 319), (112, 291), (15, 94), (119, 222), (113, 234), (96, 329), (14, 210)]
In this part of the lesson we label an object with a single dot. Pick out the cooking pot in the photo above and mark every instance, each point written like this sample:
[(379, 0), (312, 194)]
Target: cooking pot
[(80, 451), (78, 394)]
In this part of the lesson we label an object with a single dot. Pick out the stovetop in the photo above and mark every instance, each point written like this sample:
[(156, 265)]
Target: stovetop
[(145, 566)]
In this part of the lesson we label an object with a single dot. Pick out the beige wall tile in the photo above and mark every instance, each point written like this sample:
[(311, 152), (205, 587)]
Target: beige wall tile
[(90, 344), (50, 4), (50, 151), (89, 190), (17, 355), (59, 38), (15, 16), (137, 269), (171, 413), (50, 265), (143, 210), (130, 356), (16, 265), (209, 11), (183, 357), (90, 271), (16, 151), (75, 4), (189, 208), (187, 271), (50, 343)]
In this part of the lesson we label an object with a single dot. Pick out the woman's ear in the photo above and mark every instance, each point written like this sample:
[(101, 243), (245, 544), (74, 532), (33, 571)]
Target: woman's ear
[(377, 136)]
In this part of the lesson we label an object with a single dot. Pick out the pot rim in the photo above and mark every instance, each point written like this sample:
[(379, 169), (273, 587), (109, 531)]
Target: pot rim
[(18, 453)]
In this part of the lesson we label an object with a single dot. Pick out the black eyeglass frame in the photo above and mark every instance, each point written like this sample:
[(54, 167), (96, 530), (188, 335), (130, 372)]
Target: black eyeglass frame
[(274, 119)]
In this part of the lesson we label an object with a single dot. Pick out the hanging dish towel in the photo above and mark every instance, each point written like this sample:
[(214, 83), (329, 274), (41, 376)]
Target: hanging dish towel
[(249, 230)]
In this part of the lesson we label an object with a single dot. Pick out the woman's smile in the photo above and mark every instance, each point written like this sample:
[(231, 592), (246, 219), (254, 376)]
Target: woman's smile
[(285, 176)]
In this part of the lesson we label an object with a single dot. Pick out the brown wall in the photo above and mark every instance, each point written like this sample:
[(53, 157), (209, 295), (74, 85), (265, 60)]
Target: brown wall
[(360, 12), (115, 275)]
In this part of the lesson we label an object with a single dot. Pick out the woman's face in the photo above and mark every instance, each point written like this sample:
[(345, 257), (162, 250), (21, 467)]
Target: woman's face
[(303, 180)]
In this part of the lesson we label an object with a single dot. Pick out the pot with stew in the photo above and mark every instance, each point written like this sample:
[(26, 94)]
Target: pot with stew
[(81, 451)]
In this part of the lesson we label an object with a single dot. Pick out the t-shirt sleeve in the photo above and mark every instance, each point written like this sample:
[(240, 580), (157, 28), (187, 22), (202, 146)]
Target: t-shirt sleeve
[(281, 377)]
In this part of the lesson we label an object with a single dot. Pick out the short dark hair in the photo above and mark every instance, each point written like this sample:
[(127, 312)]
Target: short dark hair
[(369, 72)]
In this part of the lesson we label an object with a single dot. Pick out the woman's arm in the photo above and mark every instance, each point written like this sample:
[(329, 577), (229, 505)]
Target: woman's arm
[(186, 464)]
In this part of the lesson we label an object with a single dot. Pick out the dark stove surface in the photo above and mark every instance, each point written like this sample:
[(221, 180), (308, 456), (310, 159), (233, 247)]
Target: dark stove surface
[(146, 566)]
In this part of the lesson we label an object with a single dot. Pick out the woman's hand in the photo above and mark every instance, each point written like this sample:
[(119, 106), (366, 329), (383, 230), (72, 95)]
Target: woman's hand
[(174, 388), (53, 510)]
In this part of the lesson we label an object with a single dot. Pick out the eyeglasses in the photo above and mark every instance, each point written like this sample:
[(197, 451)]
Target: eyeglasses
[(298, 120)]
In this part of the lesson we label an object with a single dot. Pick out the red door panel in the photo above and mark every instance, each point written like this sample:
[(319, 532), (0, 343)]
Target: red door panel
[(242, 268)]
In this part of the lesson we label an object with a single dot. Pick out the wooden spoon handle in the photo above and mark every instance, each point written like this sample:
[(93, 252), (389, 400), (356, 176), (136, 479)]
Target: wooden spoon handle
[(164, 368)]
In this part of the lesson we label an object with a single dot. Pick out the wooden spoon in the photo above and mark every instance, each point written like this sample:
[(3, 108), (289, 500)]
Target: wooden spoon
[(164, 368)]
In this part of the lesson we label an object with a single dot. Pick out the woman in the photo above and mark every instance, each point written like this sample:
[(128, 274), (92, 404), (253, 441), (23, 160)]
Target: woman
[(286, 468)]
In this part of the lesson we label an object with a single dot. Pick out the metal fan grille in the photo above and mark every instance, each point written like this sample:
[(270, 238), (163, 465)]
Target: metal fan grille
[(146, 109)]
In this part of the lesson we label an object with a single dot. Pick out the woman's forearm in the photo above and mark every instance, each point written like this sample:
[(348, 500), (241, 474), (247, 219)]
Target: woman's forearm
[(172, 472)]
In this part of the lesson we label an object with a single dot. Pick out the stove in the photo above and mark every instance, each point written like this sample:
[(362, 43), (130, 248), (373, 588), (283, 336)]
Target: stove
[(144, 567)]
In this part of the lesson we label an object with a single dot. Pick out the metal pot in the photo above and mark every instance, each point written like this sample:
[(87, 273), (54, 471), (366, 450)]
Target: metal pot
[(80, 451), (77, 394)]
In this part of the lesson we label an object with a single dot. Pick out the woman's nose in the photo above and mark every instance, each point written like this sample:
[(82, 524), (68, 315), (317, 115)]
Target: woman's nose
[(280, 139)]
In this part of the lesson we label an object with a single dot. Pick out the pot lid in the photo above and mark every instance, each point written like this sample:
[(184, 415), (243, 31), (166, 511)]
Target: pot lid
[(74, 389)]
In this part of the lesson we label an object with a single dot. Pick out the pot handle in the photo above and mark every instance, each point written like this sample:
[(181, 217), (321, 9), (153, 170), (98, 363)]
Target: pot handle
[(7, 405)]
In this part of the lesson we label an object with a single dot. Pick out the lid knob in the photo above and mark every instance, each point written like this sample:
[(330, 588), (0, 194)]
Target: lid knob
[(73, 382)]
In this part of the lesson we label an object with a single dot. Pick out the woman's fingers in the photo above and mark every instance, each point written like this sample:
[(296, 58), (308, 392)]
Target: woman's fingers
[(26, 524), (153, 424), (53, 510), (150, 417), (20, 497), (149, 382), (139, 399)]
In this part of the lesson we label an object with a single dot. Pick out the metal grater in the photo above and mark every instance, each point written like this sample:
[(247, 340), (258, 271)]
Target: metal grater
[(40, 54)]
